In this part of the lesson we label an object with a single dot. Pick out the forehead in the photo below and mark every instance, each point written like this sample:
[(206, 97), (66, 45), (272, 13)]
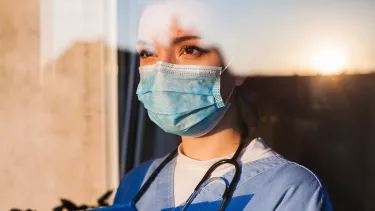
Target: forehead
[(167, 20)]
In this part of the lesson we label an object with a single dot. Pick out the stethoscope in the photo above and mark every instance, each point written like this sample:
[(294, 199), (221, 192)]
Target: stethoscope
[(204, 181)]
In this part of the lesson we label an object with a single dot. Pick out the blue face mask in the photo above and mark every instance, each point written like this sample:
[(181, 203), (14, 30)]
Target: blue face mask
[(182, 99)]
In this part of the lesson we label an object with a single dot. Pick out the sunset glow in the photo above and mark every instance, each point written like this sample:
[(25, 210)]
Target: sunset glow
[(329, 60)]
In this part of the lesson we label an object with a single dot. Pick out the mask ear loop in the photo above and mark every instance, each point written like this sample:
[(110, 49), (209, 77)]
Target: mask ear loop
[(230, 95), (231, 92), (225, 68)]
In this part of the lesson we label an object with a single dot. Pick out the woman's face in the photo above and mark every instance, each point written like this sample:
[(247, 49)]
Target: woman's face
[(162, 37)]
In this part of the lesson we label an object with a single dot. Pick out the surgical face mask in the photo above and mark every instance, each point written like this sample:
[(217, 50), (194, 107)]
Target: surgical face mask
[(182, 99)]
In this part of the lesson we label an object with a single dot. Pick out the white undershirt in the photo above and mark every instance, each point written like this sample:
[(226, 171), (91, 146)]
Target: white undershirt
[(188, 172)]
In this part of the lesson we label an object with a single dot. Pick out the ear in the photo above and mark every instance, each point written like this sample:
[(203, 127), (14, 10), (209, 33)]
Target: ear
[(239, 81)]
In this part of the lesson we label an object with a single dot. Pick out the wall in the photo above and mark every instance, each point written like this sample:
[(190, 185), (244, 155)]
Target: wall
[(54, 116)]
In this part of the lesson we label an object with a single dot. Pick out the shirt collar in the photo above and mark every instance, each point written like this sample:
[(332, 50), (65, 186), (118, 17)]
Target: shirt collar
[(255, 150)]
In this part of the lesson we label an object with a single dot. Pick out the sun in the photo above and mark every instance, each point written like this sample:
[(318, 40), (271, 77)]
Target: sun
[(329, 60)]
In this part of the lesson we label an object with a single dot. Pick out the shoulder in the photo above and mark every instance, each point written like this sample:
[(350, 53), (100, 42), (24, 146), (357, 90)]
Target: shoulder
[(299, 188), (305, 189), (279, 171), (294, 187), (298, 174), (132, 181)]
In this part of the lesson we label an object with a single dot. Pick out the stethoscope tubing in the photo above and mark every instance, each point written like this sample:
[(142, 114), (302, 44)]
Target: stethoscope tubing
[(154, 174), (204, 181)]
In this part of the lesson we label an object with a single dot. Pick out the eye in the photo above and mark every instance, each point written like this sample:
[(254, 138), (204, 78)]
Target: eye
[(146, 54), (193, 50)]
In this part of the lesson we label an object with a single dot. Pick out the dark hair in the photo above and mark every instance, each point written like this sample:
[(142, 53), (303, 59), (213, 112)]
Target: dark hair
[(246, 109)]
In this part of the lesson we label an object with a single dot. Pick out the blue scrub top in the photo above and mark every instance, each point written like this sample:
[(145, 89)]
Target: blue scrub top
[(273, 183)]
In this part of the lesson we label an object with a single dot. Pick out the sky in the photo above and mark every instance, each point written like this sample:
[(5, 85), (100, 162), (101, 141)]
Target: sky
[(285, 37), (266, 37)]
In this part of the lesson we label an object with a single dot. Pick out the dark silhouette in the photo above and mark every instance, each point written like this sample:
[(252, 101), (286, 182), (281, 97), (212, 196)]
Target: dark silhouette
[(67, 205)]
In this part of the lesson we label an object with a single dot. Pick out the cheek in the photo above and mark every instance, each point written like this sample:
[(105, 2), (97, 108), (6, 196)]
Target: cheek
[(148, 61), (212, 59), (215, 60)]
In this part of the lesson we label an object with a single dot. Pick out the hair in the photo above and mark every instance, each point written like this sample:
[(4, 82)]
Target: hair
[(246, 109)]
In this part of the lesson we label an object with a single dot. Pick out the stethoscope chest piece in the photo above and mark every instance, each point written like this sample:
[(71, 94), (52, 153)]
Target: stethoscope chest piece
[(229, 189)]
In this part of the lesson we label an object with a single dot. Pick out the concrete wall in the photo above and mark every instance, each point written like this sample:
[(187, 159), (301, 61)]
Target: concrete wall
[(54, 117)]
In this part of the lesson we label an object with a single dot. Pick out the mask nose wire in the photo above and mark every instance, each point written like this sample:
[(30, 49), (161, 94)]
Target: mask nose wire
[(225, 68)]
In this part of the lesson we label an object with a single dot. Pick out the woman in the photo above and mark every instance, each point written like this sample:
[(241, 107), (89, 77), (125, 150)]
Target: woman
[(187, 90)]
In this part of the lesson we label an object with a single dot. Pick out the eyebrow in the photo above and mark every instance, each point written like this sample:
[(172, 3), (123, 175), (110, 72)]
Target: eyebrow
[(178, 40), (175, 40)]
